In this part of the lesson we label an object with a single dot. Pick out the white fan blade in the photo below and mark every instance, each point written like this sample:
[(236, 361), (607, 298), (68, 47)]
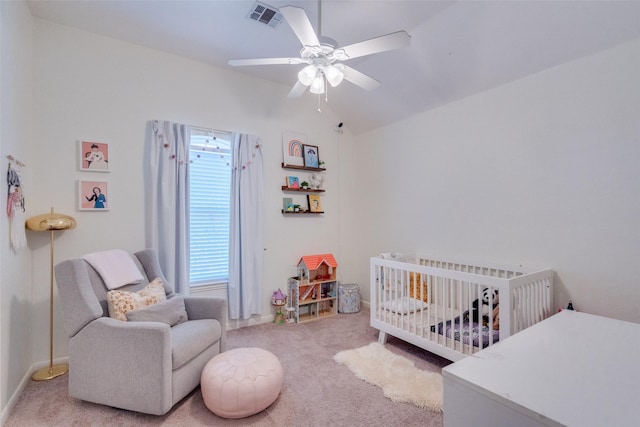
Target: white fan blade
[(264, 61), (359, 79), (299, 23), (378, 44), (297, 90)]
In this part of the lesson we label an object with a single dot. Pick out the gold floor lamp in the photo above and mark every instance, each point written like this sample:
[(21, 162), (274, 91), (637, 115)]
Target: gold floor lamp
[(51, 222)]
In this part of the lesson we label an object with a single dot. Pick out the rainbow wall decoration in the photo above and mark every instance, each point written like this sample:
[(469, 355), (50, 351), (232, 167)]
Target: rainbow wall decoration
[(292, 152)]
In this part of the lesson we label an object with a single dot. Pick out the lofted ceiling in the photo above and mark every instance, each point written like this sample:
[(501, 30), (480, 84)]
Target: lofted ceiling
[(458, 48)]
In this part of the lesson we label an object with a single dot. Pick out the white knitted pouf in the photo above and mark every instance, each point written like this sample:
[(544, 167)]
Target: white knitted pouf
[(241, 382)]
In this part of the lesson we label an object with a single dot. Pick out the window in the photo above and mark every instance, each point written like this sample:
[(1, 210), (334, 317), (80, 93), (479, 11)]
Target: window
[(209, 203)]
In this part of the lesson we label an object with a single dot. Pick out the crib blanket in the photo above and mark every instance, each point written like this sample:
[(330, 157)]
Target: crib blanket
[(467, 331)]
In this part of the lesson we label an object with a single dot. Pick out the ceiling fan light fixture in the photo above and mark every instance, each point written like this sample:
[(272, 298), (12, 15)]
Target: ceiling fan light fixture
[(334, 75), (317, 86), (307, 74), (321, 55)]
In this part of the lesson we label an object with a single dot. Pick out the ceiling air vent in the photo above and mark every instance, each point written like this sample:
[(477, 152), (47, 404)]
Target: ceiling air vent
[(266, 14)]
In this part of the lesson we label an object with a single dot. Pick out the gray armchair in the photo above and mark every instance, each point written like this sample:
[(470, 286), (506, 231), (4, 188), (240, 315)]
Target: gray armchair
[(140, 366)]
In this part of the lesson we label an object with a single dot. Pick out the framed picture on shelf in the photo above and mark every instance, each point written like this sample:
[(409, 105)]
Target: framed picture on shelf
[(314, 203), (293, 182), (292, 143), (287, 204), (311, 156), (94, 156), (93, 196)]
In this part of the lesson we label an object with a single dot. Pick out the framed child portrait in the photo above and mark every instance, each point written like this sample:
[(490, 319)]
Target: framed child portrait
[(293, 182), (93, 196), (94, 156), (311, 157), (314, 203)]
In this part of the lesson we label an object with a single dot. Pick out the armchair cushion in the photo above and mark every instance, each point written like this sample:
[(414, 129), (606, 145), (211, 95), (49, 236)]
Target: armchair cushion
[(171, 312), (121, 302), (191, 338)]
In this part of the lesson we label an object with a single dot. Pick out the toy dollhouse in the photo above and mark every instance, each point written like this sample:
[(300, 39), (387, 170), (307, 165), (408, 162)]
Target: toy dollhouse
[(313, 294)]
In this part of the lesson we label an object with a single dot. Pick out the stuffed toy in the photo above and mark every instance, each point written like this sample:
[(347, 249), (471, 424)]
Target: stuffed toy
[(480, 308), (415, 290), (496, 318)]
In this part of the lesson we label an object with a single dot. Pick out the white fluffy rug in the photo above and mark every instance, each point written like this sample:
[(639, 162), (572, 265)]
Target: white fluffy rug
[(398, 377)]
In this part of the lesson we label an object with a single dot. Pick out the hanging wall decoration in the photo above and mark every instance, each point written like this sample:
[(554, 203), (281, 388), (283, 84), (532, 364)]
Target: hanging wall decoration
[(94, 156), (311, 156), (315, 205), (15, 205), (292, 143), (93, 196)]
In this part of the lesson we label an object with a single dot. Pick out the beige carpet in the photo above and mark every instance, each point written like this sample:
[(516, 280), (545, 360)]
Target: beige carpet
[(396, 375), (316, 391)]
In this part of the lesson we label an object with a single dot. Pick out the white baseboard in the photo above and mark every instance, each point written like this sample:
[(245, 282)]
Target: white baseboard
[(23, 384), (14, 398), (237, 324)]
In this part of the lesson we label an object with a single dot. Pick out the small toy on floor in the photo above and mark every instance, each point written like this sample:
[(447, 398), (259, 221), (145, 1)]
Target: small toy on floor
[(569, 307)]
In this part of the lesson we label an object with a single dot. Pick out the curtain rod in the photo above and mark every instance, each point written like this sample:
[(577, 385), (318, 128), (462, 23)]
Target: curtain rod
[(204, 129)]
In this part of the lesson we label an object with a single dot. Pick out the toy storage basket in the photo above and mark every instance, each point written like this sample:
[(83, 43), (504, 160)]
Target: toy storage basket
[(348, 298)]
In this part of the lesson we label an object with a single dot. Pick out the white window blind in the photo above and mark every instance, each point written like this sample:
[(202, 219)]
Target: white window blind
[(209, 199)]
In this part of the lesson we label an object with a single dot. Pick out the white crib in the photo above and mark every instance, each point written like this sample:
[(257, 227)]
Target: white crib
[(430, 302)]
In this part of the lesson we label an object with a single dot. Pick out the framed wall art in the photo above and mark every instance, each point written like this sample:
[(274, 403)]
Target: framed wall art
[(293, 182), (287, 204), (93, 196), (94, 156), (292, 143), (311, 156), (314, 203)]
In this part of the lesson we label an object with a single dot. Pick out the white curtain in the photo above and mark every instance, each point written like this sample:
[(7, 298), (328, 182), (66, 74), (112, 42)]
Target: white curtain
[(246, 228), (166, 177)]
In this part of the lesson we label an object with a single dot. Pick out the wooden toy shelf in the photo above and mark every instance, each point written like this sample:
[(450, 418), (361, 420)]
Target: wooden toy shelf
[(302, 190), (302, 168), (312, 193), (302, 213)]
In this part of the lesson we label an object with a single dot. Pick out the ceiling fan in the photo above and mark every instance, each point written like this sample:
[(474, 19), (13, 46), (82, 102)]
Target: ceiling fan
[(324, 58)]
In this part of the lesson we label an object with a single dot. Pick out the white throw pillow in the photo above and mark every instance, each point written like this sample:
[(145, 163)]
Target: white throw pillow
[(405, 305)]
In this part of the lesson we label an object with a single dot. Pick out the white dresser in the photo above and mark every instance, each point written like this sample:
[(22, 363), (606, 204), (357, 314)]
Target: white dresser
[(572, 369)]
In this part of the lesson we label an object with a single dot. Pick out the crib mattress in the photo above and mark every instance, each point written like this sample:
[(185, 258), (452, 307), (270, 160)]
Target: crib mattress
[(468, 332), (440, 320), (428, 316)]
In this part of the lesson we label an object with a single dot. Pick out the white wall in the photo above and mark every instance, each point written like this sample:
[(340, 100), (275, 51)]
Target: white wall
[(543, 171), (92, 87), (15, 137)]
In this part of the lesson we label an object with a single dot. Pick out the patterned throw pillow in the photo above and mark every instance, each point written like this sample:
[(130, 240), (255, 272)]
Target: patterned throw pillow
[(121, 302)]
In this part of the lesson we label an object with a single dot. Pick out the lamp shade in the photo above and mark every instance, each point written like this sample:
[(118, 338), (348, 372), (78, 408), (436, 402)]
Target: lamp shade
[(307, 74), (317, 86), (334, 76), (51, 221)]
